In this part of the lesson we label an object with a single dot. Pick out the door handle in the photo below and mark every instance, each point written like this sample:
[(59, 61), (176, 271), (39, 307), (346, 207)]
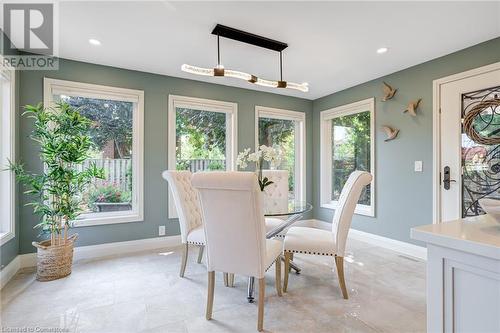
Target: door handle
[(446, 178)]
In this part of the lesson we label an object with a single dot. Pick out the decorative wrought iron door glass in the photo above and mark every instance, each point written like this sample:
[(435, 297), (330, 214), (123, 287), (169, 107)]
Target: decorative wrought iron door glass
[(480, 163)]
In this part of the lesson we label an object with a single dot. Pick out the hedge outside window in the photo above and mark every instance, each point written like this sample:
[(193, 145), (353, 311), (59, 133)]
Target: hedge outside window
[(116, 132), (286, 130), (201, 136), (347, 144)]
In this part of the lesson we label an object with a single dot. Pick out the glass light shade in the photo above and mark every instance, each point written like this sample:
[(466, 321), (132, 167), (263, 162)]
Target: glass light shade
[(197, 70), (266, 83), (304, 87), (238, 75), (243, 76)]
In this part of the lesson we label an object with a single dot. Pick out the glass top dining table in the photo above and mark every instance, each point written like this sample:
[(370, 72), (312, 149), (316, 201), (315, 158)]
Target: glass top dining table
[(293, 207), (290, 213)]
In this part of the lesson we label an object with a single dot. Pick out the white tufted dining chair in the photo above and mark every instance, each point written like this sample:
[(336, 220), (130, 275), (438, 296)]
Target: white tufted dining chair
[(329, 243), (275, 197), (188, 209), (231, 204), (276, 194)]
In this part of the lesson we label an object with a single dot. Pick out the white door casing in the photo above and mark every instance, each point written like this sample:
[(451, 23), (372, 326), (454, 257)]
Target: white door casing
[(447, 96)]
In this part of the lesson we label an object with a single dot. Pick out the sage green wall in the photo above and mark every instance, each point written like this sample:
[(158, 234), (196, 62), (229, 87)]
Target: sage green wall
[(403, 197), (156, 90)]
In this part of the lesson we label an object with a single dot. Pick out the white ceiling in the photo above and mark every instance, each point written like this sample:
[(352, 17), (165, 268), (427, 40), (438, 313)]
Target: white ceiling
[(331, 44)]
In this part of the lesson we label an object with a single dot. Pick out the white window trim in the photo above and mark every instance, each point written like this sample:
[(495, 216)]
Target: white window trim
[(53, 86), (326, 152), (7, 236), (300, 141), (231, 111)]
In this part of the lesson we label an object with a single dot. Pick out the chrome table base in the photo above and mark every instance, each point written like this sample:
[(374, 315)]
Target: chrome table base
[(251, 280), (286, 223)]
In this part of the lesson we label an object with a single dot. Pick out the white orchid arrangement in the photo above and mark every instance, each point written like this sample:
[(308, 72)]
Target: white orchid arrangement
[(263, 153)]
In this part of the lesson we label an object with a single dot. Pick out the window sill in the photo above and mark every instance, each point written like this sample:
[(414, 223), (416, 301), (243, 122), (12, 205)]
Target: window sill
[(360, 209), (5, 237), (109, 219)]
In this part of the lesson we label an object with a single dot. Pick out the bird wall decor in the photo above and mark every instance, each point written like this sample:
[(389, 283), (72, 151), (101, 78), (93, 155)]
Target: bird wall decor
[(389, 92), (391, 132), (412, 107)]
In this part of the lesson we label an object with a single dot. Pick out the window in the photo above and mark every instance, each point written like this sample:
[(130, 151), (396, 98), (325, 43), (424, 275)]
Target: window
[(117, 134), (347, 144), (7, 144), (202, 136), (286, 130)]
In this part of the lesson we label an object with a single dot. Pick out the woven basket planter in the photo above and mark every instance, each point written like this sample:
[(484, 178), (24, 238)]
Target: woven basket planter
[(54, 262)]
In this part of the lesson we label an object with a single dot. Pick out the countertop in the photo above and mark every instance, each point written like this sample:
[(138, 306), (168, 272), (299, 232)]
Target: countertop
[(478, 235)]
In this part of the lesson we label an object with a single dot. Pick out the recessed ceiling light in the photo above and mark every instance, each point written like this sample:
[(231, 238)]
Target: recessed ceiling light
[(382, 50), (94, 41)]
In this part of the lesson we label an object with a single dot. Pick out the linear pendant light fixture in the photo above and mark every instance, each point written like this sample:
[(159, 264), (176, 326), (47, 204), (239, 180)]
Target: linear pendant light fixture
[(246, 37)]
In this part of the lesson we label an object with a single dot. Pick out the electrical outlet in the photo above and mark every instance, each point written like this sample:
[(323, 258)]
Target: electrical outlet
[(161, 230), (418, 166)]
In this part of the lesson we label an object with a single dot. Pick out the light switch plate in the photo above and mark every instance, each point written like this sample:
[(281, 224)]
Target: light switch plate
[(161, 230), (418, 166)]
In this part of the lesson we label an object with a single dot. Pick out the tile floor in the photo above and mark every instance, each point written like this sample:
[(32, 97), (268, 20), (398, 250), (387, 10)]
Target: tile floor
[(143, 293)]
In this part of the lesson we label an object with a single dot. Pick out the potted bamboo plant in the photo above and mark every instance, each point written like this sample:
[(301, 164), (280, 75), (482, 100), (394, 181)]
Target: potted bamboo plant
[(62, 134)]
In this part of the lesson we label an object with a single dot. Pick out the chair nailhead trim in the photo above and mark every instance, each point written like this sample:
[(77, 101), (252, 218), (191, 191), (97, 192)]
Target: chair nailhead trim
[(195, 243), (309, 252)]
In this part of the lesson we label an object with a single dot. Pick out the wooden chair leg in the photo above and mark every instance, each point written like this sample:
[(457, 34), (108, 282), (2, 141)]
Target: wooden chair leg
[(200, 254), (291, 259), (226, 279), (184, 260), (277, 280), (262, 291), (230, 280), (287, 270), (339, 262), (210, 294)]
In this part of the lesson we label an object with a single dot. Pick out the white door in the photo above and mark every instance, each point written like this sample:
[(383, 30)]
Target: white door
[(467, 170)]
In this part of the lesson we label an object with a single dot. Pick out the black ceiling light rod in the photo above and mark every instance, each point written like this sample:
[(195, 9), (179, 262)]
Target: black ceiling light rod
[(281, 83), (281, 66), (219, 69), (252, 39), (218, 50), (249, 38)]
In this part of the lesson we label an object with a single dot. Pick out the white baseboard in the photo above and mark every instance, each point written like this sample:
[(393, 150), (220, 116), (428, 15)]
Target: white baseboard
[(94, 252), (408, 249), (9, 271), (117, 248)]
